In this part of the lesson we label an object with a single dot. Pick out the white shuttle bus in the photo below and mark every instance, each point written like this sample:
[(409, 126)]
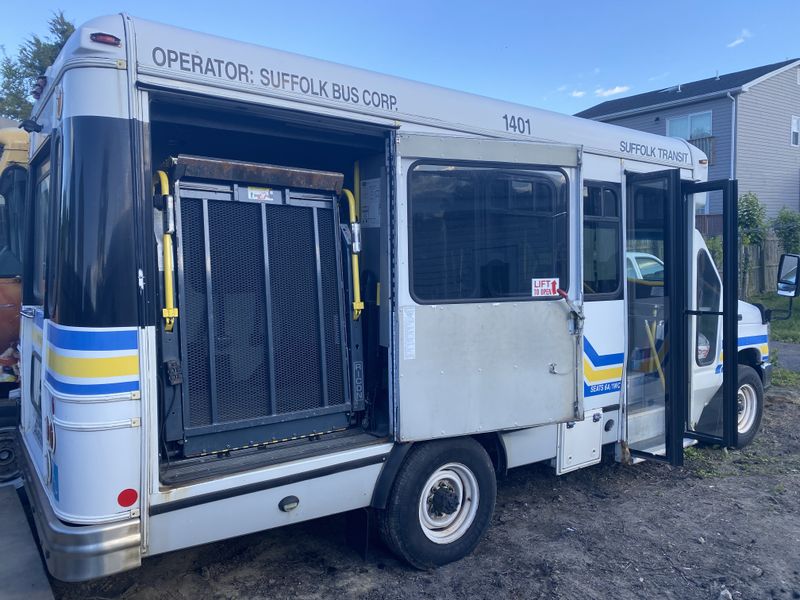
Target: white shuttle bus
[(262, 288)]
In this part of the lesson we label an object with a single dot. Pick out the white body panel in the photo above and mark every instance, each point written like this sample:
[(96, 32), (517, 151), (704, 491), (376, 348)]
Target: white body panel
[(239, 515), (580, 443), (89, 450)]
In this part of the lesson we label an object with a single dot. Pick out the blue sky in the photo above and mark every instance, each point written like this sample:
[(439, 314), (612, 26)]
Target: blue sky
[(564, 56)]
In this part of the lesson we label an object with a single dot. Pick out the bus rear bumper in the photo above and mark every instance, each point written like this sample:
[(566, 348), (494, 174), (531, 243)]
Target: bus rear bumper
[(80, 552)]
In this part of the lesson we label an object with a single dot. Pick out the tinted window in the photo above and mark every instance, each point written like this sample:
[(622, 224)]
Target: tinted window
[(41, 200), (709, 290), (602, 241), (484, 233), (12, 203)]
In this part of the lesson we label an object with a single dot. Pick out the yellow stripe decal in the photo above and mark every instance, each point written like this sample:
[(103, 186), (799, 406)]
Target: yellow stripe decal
[(594, 375), (114, 366)]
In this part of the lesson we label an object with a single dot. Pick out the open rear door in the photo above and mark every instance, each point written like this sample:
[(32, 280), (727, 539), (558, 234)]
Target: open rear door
[(712, 322), (655, 382), (681, 369), (488, 284)]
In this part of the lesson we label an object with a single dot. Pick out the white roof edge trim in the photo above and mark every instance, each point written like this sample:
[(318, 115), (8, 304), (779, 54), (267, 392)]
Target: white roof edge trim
[(769, 75)]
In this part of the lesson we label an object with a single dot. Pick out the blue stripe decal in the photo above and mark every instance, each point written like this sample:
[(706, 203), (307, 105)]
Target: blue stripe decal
[(92, 389), (38, 317), (601, 361), (601, 388), (69, 339), (753, 339)]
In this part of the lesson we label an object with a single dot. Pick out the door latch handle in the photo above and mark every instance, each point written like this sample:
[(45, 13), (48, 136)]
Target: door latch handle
[(552, 367)]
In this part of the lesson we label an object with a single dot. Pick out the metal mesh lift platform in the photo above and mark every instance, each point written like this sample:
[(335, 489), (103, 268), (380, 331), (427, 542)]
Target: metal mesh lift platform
[(262, 336)]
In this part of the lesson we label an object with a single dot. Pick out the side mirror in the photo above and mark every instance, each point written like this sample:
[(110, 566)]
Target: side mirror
[(787, 275)]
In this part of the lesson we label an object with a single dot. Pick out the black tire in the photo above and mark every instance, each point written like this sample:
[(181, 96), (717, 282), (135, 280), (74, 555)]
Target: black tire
[(400, 523), (749, 385)]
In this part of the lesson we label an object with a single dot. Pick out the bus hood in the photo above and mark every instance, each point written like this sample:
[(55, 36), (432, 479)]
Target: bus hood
[(750, 314)]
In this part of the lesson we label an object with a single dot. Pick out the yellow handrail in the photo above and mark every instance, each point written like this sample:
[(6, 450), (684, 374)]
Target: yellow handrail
[(170, 311), (358, 304)]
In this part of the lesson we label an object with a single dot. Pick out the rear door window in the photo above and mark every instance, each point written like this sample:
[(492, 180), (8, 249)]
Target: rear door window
[(41, 224)]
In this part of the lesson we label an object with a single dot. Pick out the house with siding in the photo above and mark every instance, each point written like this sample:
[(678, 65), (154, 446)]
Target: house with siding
[(747, 123)]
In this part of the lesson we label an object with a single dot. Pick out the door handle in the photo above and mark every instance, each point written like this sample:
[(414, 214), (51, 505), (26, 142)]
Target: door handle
[(25, 312)]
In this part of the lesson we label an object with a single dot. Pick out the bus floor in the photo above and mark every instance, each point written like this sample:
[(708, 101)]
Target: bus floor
[(218, 464)]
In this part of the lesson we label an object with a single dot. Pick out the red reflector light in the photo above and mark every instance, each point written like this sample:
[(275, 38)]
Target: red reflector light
[(127, 497), (105, 38)]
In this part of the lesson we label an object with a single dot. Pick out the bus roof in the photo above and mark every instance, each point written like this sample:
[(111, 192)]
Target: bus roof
[(181, 59)]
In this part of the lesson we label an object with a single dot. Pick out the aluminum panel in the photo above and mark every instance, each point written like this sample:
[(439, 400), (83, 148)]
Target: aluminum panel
[(470, 368)]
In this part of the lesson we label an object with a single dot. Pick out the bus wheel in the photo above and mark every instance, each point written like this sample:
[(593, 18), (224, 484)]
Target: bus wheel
[(9, 467), (441, 503), (750, 404)]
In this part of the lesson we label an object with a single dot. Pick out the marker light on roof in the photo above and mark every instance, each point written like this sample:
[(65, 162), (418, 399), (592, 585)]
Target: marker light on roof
[(105, 38)]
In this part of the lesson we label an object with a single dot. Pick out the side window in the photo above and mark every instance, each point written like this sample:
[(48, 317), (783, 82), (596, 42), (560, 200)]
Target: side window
[(41, 223), (480, 233), (12, 208), (709, 291), (602, 241)]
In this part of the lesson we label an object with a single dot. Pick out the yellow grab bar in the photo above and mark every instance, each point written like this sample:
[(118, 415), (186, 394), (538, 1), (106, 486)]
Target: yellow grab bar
[(358, 304), (170, 311)]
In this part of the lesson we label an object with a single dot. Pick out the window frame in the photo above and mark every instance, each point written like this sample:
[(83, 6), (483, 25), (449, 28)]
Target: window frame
[(714, 350), (44, 154), (482, 165), (621, 264), (794, 127), (688, 118)]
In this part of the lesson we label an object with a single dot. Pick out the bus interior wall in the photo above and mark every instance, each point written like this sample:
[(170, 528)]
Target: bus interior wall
[(243, 133)]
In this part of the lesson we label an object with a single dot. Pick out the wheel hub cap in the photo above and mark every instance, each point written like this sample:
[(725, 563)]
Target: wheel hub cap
[(746, 404), (445, 501), (448, 503)]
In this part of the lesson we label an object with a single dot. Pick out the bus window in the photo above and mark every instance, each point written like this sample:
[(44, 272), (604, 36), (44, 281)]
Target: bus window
[(41, 206), (709, 291), (602, 242), (485, 233), (12, 203), (651, 268)]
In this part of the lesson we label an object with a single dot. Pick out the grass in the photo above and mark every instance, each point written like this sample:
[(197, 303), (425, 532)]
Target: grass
[(785, 377), (781, 331)]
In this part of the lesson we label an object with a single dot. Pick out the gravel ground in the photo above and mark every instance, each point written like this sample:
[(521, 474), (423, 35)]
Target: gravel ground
[(727, 525)]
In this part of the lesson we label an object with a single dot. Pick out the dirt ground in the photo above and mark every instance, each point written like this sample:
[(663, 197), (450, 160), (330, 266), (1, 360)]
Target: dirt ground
[(727, 525)]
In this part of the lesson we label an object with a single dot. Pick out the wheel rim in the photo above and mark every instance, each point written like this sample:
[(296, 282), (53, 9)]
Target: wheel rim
[(448, 503), (747, 401)]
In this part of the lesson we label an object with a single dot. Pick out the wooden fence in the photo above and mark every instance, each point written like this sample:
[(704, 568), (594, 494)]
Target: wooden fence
[(758, 267)]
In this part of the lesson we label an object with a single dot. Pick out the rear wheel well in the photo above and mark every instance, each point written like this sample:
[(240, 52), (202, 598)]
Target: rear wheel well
[(494, 447)]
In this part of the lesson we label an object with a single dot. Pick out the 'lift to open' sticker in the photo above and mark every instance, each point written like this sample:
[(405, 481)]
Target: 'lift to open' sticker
[(546, 287)]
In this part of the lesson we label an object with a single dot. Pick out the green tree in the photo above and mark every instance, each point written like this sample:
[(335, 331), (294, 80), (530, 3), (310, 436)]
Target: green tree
[(18, 74), (787, 227), (752, 232), (752, 220)]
